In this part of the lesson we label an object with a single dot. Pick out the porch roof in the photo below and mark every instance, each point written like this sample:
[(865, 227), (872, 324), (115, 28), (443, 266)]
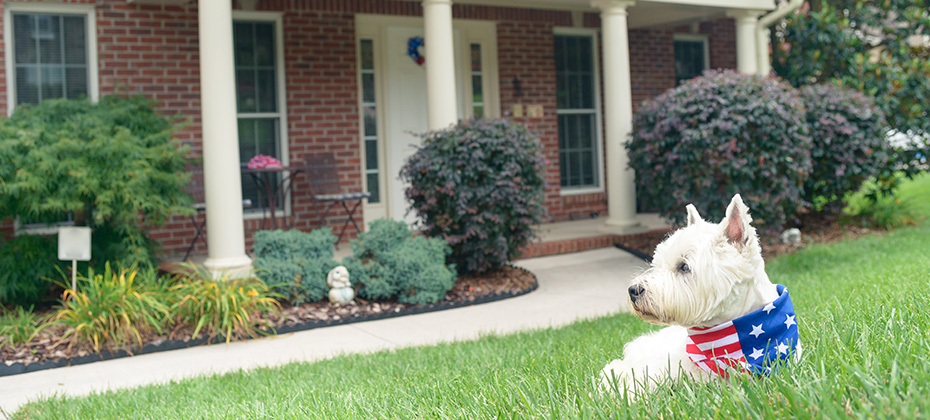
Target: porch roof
[(643, 13)]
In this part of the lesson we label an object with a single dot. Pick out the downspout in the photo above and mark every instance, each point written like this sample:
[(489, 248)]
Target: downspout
[(764, 65)]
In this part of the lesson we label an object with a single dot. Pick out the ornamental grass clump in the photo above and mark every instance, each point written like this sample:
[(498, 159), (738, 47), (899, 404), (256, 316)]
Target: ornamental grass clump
[(479, 186), (227, 305), (112, 309), (849, 143), (718, 135)]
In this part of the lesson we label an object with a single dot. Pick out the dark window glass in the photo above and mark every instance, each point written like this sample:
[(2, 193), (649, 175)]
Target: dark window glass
[(577, 118), (690, 60), (50, 56)]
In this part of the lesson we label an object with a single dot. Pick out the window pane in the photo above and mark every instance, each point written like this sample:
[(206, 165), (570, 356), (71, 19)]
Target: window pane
[(373, 189), (689, 60), (477, 95), (267, 95), (75, 40), (258, 136), (264, 44), (247, 147), (76, 78), (49, 35), (368, 55), (24, 39), (368, 87), (478, 111), (27, 85), (371, 154), (371, 121), (53, 82), (475, 57), (266, 136), (242, 35), (245, 90)]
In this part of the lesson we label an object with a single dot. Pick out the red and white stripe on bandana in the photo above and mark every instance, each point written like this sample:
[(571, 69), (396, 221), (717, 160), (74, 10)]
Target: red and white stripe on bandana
[(716, 349)]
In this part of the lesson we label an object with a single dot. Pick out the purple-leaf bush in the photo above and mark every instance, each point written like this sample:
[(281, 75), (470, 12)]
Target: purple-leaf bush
[(849, 143), (721, 134), (478, 185)]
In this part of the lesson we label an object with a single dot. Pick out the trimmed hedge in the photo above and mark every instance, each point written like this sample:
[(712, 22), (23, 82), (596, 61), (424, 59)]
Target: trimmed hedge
[(721, 134), (849, 144), (479, 186)]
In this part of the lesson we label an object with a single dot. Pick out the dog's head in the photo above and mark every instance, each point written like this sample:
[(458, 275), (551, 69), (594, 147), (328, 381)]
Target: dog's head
[(703, 274)]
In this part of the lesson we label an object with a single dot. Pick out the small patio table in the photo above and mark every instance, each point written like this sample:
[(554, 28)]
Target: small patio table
[(270, 187)]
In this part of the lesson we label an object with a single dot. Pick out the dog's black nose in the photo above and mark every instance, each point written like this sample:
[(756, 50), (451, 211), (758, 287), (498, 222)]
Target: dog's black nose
[(636, 291)]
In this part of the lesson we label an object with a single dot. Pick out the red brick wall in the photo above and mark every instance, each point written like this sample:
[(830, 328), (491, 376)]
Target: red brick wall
[(153, 50)]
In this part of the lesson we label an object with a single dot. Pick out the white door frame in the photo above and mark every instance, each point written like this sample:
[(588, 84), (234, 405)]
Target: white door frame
[(374, 27)]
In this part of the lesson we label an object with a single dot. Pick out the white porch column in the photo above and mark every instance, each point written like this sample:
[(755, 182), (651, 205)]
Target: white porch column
[(222, 185), (440, 63), (618, 115), (746, 44)]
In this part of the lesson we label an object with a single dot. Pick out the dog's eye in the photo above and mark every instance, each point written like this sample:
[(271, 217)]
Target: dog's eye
[(683, 268)]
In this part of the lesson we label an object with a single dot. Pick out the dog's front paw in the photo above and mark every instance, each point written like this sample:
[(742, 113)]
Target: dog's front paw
[(617, 377)]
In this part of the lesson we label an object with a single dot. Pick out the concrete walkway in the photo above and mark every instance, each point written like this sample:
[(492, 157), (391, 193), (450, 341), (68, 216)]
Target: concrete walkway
[(571, 287)]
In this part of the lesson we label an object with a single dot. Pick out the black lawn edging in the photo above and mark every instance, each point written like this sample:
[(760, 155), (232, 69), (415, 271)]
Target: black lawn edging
[(19, 367), (636, 253)]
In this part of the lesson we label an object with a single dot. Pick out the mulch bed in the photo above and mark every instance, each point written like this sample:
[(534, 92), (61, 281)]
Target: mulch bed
[(49, 350), (815, 229)]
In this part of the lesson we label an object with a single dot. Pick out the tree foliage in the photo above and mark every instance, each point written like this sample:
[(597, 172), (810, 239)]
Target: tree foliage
[(880, 48), (113, 164)]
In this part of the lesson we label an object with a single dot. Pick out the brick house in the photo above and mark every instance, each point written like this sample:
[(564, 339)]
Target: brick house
[(293, 77)]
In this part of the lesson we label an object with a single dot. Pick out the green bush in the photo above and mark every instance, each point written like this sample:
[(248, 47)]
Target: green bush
[(295, 263), (106, 163), (26, 264), (479, 186), (721, 134), (112, 309), (849, 146), (389, 262)]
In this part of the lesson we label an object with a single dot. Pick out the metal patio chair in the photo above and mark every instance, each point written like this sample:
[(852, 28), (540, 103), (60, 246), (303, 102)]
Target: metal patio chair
[(323, 175)]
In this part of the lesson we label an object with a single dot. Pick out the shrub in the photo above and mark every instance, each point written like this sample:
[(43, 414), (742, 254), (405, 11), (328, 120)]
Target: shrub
[(26, 264), (478, 185), (388, 262), (849, 146), (295, 263), (721, 134), (225, 306), (112, 309), (20, 326), (107, 163)]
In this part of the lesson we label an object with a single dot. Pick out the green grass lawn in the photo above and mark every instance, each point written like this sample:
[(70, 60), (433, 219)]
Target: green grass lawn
[(863, 306)]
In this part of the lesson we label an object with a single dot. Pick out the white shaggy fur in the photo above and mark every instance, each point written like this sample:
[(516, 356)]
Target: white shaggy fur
[(702, 275)]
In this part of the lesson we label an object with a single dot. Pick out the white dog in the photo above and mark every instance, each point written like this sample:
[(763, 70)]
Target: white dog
[(708, 283)]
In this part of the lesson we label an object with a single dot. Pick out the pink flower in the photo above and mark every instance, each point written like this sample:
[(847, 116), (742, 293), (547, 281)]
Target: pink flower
[(263, 161)]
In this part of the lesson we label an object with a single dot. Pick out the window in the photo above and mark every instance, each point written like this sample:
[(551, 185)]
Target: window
[(576, 100), (50, 52), (690, 57), (477, 91), (370, 117), (257, 101)]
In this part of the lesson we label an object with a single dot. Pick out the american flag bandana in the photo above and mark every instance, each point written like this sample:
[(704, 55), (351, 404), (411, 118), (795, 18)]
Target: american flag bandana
[(751, 343)]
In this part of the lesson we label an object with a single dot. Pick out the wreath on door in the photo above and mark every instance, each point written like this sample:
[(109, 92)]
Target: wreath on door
[(413, 49)]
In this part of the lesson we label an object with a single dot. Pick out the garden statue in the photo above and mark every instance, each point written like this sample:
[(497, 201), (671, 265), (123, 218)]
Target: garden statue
[(791, 236), (340, 290)]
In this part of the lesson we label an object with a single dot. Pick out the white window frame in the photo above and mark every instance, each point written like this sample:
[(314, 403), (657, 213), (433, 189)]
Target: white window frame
[(93, 86), (693, 38), (598, 111), (277, 19)]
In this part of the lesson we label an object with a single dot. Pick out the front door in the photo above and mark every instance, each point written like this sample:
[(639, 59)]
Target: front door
[(406, 110)]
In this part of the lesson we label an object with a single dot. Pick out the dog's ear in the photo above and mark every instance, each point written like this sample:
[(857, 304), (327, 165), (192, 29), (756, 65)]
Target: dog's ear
[(693, 215), (736, 223)]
